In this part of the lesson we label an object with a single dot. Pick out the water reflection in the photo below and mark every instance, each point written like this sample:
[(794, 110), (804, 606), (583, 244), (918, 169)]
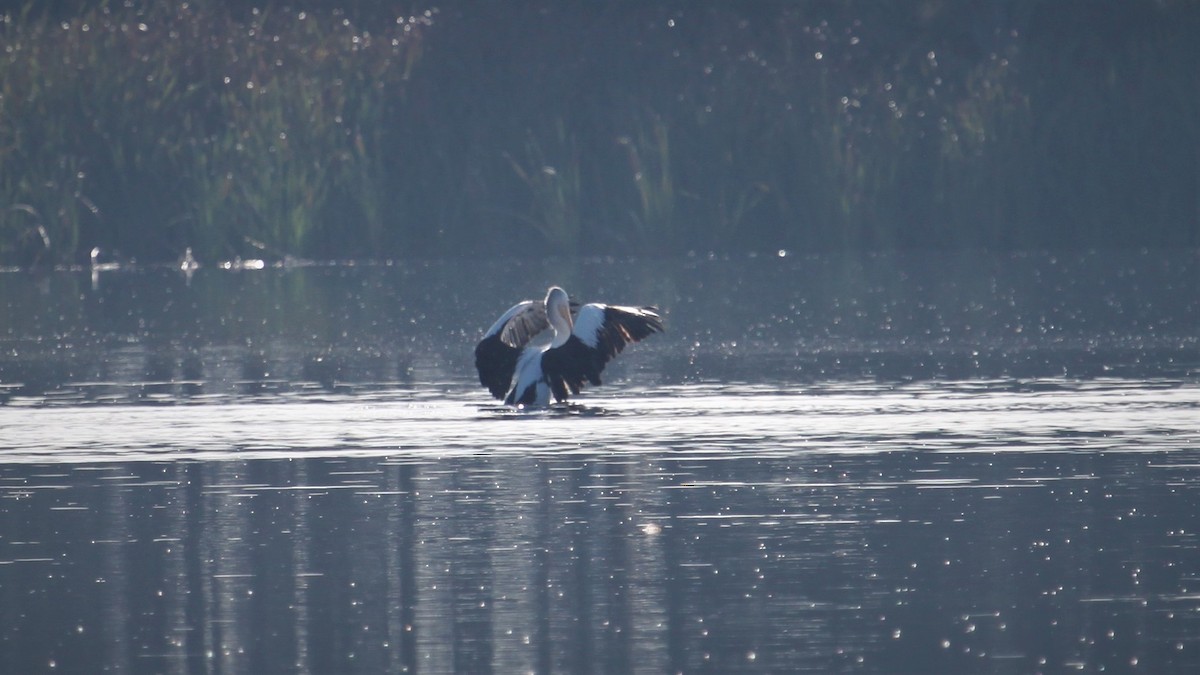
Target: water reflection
[(886, 562)]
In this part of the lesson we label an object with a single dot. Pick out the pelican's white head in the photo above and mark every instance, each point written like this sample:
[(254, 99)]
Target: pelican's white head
[(558, 312)]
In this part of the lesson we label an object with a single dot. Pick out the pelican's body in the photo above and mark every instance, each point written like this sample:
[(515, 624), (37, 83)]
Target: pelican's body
[(583, 342)]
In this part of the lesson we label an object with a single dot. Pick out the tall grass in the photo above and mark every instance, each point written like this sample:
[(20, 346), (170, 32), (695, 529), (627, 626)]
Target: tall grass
[(499, 129), (181, 125), (650, 169), (550, 171)]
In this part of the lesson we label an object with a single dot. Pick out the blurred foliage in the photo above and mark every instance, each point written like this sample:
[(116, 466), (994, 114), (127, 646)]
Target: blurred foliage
[(151, 129), (495, 128)]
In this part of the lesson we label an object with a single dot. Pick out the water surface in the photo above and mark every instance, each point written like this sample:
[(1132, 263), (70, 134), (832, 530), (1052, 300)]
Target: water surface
[(873, 466)]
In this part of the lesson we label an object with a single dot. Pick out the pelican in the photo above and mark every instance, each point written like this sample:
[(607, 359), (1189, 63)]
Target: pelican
[(98, 266), (585, 339), (188, 264)]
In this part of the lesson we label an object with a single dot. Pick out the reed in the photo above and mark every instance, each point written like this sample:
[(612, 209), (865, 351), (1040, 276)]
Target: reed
[(180, 125), (552, 178), (490, 130), (649, 154)]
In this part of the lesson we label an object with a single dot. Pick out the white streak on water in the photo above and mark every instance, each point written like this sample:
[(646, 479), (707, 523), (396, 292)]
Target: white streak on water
[(678, 423)]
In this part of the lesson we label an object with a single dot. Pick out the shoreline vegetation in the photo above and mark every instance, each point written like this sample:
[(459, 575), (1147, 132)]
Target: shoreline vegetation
[(489, 128)]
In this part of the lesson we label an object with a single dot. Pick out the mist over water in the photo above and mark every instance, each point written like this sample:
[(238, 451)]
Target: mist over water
[(881, 464)]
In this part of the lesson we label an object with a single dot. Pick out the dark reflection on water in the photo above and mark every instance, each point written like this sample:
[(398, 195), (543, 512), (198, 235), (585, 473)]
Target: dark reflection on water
[(880, 465), (894, 562)]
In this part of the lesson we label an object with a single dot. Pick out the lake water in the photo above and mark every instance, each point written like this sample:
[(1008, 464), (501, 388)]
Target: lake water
[(891, 464)]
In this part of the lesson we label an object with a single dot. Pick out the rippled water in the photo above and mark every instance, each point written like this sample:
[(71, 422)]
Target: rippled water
[(911, 483)]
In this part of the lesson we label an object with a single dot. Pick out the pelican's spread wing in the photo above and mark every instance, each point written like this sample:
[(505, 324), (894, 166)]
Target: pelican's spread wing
[(526, 323), (600, 333), (496, 354), (608, 328)]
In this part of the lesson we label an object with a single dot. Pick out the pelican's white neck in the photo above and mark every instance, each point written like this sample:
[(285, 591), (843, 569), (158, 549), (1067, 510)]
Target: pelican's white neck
[(558, 312)]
